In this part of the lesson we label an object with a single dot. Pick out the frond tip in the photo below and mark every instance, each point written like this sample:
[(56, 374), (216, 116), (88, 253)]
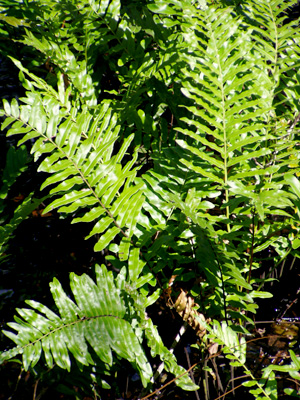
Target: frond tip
[(96, 318)]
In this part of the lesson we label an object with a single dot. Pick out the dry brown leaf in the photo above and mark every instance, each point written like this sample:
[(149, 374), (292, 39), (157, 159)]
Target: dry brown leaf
[(184, 305)]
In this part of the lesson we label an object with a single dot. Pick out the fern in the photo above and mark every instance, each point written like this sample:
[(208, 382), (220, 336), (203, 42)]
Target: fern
[(98, 319), (74, 152), (98, 308), (229, 138), (235, 350), (187, 167)]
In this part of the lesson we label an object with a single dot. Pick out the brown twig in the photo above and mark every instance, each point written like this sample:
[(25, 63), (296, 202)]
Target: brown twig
[(191, 374), (296, 120), (169, 383), (229, 391)]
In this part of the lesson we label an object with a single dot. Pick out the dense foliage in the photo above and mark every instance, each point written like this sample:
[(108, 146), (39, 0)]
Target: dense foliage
[(171, 127)]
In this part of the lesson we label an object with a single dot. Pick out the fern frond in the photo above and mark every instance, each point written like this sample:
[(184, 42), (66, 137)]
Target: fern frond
[(277, 43), (75, 71), (235, 350), (231, 111), (96, 318), (105, 318), (215, 81), (157, 348), (79, 160)]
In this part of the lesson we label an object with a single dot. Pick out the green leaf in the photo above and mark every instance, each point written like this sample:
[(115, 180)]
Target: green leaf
[(261, 295), (106, 238), (7, 122), (67, 199), (249, 383), (294, 184), (162, 8), (135, 265)]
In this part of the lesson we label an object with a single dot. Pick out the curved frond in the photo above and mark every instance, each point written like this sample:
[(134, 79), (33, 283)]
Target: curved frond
[(97, 322), (95, 319), (86, 173)]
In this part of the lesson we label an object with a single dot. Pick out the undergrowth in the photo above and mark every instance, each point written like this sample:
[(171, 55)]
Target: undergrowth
[(171, 127)]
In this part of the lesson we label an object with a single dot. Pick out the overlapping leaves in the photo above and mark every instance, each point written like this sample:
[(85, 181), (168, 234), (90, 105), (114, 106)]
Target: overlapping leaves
[(96, 319), (231, 139), (78, 151), (198, 208), (232, 136)]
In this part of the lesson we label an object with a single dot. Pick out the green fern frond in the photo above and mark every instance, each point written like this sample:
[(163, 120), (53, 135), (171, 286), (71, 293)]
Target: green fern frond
[(204, 104), (235, 350), (231, 112), (97, 322), (96, 318), (277, 47), (79, 160), (215, 81)]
